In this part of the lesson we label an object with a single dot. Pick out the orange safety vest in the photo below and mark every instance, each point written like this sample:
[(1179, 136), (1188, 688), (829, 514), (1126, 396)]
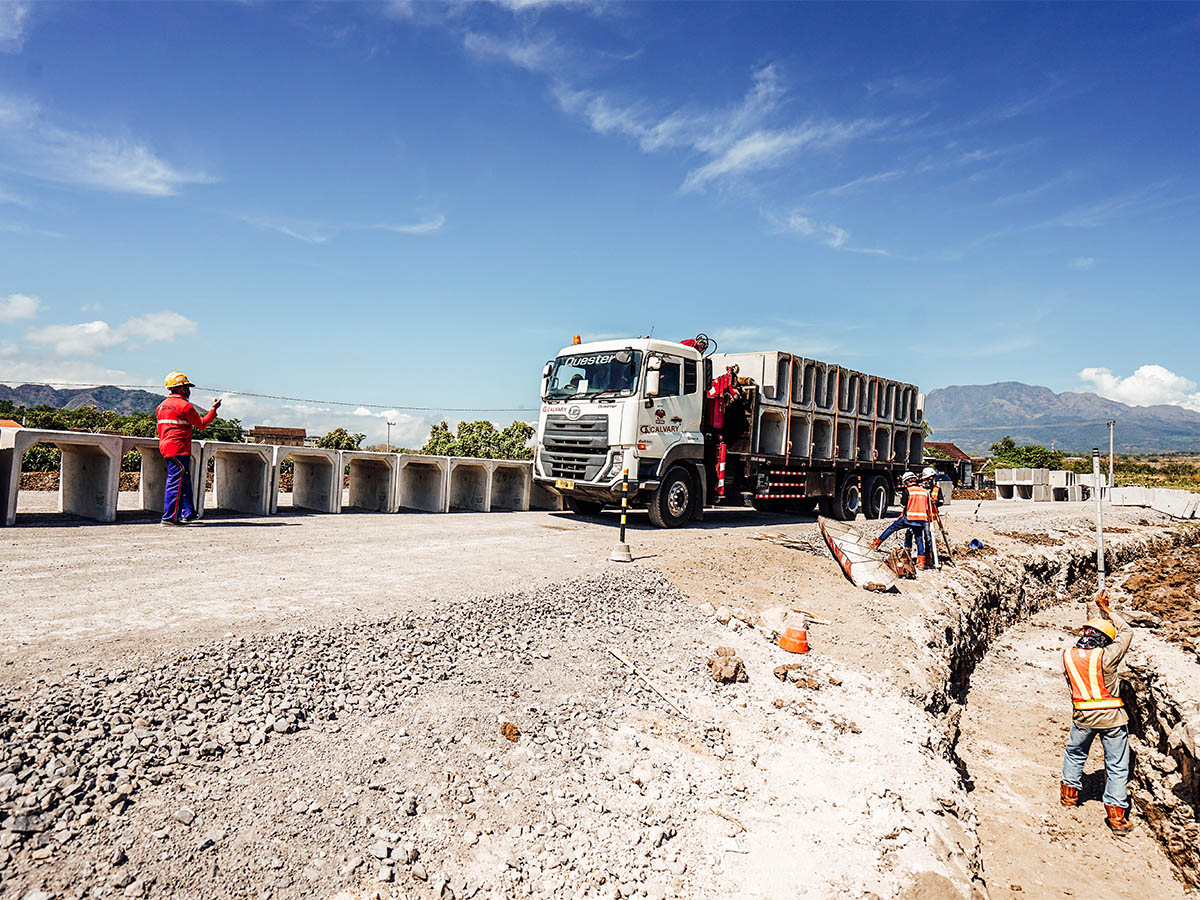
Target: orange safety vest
[(919, 507), (1088, 690)]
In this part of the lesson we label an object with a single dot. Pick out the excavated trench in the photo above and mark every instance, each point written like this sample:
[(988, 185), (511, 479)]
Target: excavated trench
[(987, 597)]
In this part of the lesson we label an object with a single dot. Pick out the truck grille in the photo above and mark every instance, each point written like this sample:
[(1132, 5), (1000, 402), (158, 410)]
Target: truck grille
[(575, 448)]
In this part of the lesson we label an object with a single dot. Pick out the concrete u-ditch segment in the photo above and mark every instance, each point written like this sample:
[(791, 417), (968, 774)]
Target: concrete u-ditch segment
[(88, 479), (152, 478)]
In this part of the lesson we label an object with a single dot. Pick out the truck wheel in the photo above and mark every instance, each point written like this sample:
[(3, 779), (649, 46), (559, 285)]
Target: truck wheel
[(674, 502), (876, 500), (847, 503), (584, 507)]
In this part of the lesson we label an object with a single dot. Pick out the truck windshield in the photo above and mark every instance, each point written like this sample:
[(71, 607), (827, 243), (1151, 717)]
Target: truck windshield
[(610, 373)]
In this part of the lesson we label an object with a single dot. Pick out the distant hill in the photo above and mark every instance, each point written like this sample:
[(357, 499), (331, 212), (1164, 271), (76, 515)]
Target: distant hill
[(975, 416), (105, 397)]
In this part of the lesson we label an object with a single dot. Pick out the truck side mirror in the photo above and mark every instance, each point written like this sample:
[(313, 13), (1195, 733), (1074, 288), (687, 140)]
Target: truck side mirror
[(546, 370), (652, 382)]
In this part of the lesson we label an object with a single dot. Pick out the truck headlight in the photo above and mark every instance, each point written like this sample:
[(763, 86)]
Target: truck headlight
[(617, 464)]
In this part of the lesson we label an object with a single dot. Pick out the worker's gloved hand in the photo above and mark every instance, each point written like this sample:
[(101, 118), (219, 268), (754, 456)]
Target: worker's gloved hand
[(1101, 600), (217, 403)]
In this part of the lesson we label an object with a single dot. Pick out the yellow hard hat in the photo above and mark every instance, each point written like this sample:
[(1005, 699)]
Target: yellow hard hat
[(1104, 626), (178, 379)]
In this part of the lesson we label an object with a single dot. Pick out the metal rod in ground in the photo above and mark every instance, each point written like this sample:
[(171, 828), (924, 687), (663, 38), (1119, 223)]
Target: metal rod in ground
[(1111, 425), (1099, 518), (621, 551)]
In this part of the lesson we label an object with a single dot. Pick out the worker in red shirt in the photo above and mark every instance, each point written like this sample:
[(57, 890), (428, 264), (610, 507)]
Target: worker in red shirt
[(176, 418)]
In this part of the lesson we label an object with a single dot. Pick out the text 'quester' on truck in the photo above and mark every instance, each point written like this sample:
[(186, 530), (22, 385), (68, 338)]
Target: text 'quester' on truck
[(696, 428)]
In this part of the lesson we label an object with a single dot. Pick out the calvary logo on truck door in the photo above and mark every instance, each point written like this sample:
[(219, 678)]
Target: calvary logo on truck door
[(674, 410)]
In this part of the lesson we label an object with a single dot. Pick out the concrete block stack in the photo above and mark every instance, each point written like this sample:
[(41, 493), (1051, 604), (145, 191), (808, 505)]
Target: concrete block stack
[(1177, 504)]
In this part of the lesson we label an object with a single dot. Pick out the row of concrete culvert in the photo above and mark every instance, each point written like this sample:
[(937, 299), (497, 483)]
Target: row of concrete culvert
[(246, 477)]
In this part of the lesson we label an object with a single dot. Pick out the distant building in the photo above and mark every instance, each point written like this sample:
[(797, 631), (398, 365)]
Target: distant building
[(280, 437), (9, 423), (949, 458)]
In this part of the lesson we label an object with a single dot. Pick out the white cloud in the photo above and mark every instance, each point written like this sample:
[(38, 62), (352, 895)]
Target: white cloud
[(84, 339), (14, 24), (857, 183), (14, 199), (18, 306), (1083, 262), (32, 144), (18, 367), (314, 232), (737, 140), (88, 339), (533, 56), (158, 326), (1149, 385), (833, 236)]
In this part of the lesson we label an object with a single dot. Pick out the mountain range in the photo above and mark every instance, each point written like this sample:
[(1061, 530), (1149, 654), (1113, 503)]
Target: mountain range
[(104, 397), (975, 416)]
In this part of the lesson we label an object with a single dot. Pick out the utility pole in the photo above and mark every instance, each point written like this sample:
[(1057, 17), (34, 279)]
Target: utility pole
[(1111, 426), (389, 436)]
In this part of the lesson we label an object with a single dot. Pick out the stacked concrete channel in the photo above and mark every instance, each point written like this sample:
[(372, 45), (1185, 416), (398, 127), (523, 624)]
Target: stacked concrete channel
[(246, 478), (814, 410)]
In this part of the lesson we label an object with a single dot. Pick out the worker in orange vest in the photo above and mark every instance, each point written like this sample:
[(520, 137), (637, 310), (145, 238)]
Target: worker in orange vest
[(1090, 668), (917, 514)]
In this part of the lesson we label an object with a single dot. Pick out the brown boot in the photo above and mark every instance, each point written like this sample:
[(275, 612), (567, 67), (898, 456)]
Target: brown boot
[(1067, 795), (1118, 823), (875, 544)]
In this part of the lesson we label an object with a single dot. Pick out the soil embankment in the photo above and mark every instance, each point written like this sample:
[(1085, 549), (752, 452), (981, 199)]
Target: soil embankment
[(1015, 720)]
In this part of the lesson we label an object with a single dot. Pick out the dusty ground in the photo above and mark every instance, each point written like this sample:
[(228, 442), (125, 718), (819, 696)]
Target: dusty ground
[(834, 788), (1015, 726)]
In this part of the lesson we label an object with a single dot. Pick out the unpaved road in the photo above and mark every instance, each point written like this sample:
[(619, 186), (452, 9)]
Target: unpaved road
[(1015, 727), (832, 788)]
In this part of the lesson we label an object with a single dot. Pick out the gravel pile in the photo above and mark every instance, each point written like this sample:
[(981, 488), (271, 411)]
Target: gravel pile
[(122, 780)]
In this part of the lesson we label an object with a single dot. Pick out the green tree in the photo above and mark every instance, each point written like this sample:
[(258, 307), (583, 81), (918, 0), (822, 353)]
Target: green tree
[(480, 440), (340, 439), (1006, 454)]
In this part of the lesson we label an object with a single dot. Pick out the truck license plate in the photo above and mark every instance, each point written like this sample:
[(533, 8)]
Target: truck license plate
[(564, 484)]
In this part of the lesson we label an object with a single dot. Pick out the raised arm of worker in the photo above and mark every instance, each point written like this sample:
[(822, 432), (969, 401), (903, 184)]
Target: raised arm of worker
[(1114, 652), (196, 420)]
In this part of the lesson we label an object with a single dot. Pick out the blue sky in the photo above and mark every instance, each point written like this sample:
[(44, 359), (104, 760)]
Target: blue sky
[(417, 204)]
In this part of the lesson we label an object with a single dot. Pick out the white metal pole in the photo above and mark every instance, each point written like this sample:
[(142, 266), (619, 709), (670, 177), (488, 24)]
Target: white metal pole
[(1111, 427), (389, 436), (1099, 517)]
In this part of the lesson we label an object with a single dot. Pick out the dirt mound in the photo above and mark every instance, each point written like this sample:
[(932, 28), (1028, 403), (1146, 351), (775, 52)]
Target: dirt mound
[(1168, 588), (1043, 540), (972, 494)]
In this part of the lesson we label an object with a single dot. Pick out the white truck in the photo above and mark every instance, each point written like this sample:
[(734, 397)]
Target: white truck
[(696, 428)]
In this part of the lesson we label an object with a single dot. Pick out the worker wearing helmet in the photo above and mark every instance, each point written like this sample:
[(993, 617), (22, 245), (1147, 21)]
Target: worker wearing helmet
[(177, 418), (929, 478), (1090, 668), (915, 516)]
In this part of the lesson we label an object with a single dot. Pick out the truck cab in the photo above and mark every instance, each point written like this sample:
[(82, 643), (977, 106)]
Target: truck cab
[(612, 406)]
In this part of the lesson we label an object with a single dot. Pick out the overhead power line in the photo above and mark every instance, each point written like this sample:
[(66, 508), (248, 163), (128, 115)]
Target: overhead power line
[(212, 390)]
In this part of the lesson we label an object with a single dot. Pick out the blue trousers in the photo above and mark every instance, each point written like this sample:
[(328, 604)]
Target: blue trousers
[(177, 499), (916, 529), (1116, 761)]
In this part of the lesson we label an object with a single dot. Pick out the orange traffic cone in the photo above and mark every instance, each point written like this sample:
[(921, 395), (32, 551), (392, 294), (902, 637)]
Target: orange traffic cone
[(795, 637)]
